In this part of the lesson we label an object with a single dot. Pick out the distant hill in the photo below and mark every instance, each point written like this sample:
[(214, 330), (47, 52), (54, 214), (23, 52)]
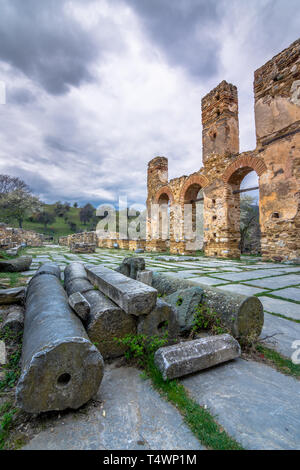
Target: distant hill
[(60, 227)]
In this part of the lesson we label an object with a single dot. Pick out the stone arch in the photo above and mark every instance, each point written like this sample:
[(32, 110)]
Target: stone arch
[(232, 179), (194, 179), (244, 162), (193, 214), (164, 190)]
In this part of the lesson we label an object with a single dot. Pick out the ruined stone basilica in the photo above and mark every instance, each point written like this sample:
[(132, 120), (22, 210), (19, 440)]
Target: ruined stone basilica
[(276, 161)]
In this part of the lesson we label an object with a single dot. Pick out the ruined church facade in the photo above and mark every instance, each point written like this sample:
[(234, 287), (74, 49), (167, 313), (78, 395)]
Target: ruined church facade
[(276, 161)]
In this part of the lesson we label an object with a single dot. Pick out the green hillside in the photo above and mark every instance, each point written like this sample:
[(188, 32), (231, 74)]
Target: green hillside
[(60, 227)]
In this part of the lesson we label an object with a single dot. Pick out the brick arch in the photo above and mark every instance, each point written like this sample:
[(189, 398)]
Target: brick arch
[(245, 161), (164, 190), (193, 179)]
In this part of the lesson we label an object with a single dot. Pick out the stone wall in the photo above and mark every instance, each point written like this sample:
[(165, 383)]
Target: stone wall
[(91, 238), (276, 160), (11, 237)]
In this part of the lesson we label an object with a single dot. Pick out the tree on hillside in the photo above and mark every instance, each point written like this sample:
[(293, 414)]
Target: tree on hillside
[(9, 184), (75, 204), (86, 213), (72, 226), (60, 209), (45, 218), (249, 224)]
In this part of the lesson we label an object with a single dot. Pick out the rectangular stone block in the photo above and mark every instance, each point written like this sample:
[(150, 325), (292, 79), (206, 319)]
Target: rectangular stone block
[(2, 353), (192, 356), (132, 296), (145, 277)]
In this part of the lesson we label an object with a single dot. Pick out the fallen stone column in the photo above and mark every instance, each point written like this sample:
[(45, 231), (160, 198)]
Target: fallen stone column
[(132, 296), (162, 319), (243, 315), (61, 368), (131, 265), (80, 305), (75, 279), (49, 268), (185, 302), (74, 271), (106, 322), (14, 320), (192, 356), (15, 295), (15, 265), (78, 285)]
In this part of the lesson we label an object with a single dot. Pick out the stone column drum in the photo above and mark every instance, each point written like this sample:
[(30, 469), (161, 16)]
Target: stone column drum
[(61, 368)]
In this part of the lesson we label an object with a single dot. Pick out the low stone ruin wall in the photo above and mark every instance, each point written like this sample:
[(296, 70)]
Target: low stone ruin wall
[(91, 238), (11, 237)]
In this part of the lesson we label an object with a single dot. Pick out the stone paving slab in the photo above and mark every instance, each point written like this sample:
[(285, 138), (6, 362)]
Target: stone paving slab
[(292, 293), (253, 402), (210, 281), (277, 282), (286, 333), (282, 307), (183, 274), (241, 289), (136, 418), (247, 275)]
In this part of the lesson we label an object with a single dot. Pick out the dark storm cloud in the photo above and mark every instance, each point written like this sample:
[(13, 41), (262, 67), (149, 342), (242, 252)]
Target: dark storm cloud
[(44, 42), (20, 96), (184, 30), (34, 180), (54, 143)]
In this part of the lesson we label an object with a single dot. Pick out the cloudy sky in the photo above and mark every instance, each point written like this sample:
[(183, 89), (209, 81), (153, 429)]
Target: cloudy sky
[(96, 88)]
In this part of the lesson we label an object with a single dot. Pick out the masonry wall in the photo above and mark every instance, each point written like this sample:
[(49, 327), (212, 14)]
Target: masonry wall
[(276, 160), (11, 237)]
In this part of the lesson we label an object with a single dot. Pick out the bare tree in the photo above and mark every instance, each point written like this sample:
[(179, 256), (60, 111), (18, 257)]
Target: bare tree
[(16, 200), (11, 183), (18, 204)]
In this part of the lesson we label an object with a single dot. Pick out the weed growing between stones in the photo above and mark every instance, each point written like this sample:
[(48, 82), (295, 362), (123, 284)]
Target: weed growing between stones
[(206, 319), (141, 348), (14, 279), (4, 255), (7, 412), (13, 343), (12, 372)]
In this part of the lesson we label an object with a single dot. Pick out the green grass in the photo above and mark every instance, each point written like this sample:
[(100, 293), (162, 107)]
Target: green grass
[(12, 369), (142, 348), (59, 227), (282, 364), (7, 411), (199, 420), (13, 277)]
